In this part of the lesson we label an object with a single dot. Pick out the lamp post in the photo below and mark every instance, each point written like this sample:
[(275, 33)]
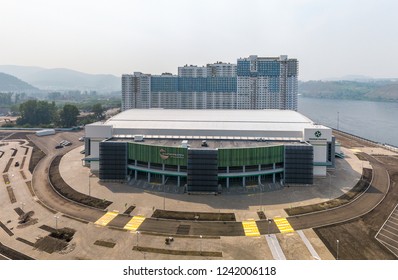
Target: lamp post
[(22, 205), (56, 222), (138, 233), (330, 185), (269, 223), (200, 244), (89, 184), (338, 120), (337, 253)]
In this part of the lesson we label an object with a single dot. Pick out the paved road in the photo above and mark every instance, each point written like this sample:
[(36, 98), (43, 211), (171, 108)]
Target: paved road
[(42, 187), (362, 205), (366, 202)]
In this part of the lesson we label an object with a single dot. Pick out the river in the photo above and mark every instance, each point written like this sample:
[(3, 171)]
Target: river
[(377, 121)]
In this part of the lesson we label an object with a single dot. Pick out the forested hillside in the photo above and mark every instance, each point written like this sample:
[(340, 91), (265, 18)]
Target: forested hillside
[(383, 90)]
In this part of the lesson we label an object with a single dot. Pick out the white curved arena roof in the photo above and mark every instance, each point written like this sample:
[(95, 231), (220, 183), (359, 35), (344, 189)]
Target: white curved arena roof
[(265, 123)]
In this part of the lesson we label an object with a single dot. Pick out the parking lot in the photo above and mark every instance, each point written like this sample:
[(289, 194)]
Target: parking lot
[(388, 234)]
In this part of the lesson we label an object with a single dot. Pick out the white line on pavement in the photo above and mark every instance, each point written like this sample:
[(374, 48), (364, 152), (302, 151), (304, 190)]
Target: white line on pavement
[(276, 249), (308, 245)]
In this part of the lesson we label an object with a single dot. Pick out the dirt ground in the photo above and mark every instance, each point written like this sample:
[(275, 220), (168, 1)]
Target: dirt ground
[(357, 238), (63, 188)]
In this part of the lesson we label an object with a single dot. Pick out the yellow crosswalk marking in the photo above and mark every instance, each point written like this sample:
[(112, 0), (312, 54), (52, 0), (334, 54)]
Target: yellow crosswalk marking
[(250, 228), (134, 223), (283, 225), (109, 216)]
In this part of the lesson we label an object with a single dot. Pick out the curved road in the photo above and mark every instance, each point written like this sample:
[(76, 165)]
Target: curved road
[(362, 205)]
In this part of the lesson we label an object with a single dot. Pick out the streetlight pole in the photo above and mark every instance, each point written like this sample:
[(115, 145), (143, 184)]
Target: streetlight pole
[(330, 185), (56, 222), (164, 197), (89, 184), (22, 205), (337, 253), (138, 233), (269, 223), (200, 244)]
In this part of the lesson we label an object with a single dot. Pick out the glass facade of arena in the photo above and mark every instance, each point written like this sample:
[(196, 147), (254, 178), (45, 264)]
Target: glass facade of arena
[(178, 166), (299, 164), (113, 161)]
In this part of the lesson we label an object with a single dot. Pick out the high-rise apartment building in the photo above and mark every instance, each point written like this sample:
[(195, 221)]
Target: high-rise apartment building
[(252, 83)]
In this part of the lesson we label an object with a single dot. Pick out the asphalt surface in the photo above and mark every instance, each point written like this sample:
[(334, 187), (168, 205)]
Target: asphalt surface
[(43, 190), (358, 207), (41, 186)]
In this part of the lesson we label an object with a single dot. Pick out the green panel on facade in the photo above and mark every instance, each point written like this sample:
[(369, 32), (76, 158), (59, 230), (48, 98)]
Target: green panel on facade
[(157, 154), (250, 156)]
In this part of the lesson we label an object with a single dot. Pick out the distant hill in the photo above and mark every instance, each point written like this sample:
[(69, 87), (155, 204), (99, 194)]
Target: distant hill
[(63, 79), (9, 83), (377, 90), (384, 93)]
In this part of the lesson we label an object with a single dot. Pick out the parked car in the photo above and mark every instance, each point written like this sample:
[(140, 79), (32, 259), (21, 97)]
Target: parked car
[(67, 143), (59, 147)]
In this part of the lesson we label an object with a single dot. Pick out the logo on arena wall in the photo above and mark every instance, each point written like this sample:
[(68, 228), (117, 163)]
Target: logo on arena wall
[(317, 134), (165, 155)]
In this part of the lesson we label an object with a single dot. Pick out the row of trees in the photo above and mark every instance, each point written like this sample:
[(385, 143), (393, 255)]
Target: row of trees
[(43, 113), (9, 98)]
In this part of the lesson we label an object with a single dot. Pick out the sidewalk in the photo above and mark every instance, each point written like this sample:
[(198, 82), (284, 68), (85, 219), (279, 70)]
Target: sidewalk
[(245, 206)]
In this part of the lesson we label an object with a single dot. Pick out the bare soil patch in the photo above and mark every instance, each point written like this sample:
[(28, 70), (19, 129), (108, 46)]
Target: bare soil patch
[(104, 243), (56, 241), (129, 210), (37, 155), (67, 191), (29, 185), (261, 215), (23, 163), (357, 237), (193, 216), (27, 242), (8, 165), (13, 254), (178, 252), (6, 179), (11, 194), (6, 229), (358, 189)]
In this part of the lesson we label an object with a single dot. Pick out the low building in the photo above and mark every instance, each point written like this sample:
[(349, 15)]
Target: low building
[(209, 149)]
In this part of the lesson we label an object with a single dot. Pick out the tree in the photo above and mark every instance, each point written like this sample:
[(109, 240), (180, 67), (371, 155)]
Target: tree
[(68, 115), (35, 113), (98, 111)]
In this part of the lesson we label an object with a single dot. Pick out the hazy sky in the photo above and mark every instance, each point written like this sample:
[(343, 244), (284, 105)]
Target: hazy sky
[(329, 38)]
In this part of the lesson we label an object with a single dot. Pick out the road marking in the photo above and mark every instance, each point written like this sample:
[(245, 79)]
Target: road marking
[(355, 151), (134, 223), (274, 246), (283, 225), (308, 245), (109, 216), (250, 228)]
